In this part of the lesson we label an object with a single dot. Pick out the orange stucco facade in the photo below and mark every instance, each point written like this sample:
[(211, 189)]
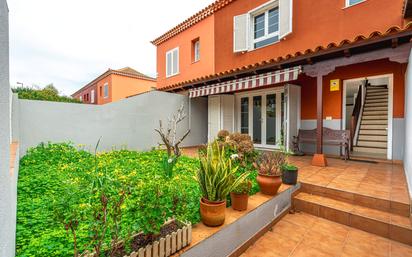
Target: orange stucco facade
[(204, 31), (314, 25), (119, 87), (123, 87)]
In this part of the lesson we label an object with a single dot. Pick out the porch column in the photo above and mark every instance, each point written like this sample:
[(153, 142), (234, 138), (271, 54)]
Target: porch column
[(319, 158), (319, 114)]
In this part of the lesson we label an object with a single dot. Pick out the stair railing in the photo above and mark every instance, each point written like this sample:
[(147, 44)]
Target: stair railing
[(356, 114)]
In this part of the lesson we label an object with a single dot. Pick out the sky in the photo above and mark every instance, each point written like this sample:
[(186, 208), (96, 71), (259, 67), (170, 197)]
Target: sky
[(71, 42)]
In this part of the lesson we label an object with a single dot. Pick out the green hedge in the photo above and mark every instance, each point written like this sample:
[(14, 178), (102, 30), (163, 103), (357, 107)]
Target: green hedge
[(51, 173), (49, 93)]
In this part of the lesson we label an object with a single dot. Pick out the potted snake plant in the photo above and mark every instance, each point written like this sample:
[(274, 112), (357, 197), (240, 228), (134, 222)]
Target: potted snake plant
[(216, 180), (240, 195), (269, 166)]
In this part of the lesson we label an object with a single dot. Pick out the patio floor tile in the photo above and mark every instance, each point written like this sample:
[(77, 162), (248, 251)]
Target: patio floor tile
[(323, 238)]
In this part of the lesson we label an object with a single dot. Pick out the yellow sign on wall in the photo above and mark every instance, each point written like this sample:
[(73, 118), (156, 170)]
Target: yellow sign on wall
[(335, 85)]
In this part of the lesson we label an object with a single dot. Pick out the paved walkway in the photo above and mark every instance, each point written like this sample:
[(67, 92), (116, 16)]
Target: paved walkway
[(304, 235)]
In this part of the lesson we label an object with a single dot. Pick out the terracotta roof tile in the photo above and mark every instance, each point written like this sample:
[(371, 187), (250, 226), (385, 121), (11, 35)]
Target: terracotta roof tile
[(358, 38), (126, 71), (196, 18)]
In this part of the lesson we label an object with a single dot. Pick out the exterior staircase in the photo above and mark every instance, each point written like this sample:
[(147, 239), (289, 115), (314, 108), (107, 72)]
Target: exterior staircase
[(373, 134), (386, 218)]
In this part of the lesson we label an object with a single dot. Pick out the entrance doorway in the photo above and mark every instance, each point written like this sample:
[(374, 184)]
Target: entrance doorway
[(367, 113), (261, 115)]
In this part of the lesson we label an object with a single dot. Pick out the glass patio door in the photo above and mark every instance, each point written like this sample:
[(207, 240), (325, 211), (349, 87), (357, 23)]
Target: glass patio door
[(261, 116)]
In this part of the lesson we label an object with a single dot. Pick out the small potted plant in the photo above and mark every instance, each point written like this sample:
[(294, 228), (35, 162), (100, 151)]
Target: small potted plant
[(240, 196), (289, 174), (216, 180), (269, 167)]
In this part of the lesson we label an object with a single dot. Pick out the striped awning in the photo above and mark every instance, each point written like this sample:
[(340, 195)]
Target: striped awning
[(256, 81)]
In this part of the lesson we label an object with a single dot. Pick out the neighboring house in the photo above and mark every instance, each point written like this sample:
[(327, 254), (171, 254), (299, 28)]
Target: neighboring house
[(114, 85), (269, 68)]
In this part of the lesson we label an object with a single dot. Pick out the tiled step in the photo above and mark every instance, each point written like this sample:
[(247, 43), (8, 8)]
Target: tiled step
[(382, 223), (380, 108), (375, 97), (372, 117), (382, 132), (370, 101), (377, 89), (373, 127), (376, 104), (377, 93), (375, 122), (363, 149), (372, 144), (373, 138), (350, 195), (375, 113)]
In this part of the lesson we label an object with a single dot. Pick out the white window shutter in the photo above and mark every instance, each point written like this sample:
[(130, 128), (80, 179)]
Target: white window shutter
[(176, 61), (285, 17), (228, 112), (168, 64), (240, 29)]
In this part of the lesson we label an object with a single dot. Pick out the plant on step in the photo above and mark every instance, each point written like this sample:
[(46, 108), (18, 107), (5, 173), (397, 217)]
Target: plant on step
[(171, 141), (269, 166), (236, 145), (244, 187), (270, 163), (216, 175)]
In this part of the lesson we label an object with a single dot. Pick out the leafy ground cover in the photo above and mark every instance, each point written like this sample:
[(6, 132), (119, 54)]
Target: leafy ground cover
[(56, 178)]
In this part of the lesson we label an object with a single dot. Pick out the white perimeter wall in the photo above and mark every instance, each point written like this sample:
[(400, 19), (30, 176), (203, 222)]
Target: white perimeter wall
[(408, 126), (127, 123), (7, 181)]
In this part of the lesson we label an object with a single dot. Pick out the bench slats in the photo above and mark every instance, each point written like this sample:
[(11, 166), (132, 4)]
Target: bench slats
[(330, 137)]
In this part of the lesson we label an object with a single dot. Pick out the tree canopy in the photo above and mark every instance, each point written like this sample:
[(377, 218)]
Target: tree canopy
[(48, 93)]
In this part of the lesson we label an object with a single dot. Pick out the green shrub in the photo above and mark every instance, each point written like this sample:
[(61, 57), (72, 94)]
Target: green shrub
[(48, 93)]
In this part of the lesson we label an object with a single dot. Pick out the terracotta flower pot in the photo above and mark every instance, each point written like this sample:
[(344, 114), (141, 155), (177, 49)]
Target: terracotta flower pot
[(212, 213), (269, 185), (239, 201)]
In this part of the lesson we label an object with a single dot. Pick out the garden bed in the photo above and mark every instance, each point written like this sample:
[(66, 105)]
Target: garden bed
[(59, 175), (55, 173), (174, 236)]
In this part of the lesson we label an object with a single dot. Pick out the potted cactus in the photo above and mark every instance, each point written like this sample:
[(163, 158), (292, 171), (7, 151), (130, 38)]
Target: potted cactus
[(240, 195), (269, 166), (216, 180)]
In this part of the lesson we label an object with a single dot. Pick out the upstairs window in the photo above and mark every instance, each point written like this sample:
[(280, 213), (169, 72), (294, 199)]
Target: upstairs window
[(172, 62), (92, 96), (353, 2), (196, 50), (266, 28), (106, 90), (262, 26)]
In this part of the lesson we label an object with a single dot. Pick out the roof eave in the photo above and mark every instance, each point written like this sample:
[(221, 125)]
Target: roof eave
[(293, 60)]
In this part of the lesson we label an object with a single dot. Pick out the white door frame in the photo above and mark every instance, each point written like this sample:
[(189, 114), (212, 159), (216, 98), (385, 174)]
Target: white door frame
[(390, 106), (263, 93)]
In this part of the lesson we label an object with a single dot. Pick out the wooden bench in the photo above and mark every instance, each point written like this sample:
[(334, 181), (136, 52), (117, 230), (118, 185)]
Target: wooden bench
[(330, 137)]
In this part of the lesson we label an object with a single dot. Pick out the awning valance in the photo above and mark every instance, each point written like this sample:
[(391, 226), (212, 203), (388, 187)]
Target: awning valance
[(256, 81)]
